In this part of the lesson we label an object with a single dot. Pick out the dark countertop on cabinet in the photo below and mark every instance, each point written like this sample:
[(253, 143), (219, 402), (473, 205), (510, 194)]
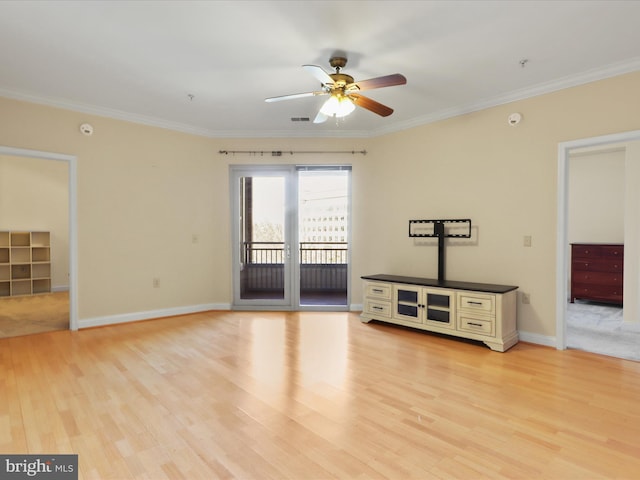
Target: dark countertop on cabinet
[(430, 282)]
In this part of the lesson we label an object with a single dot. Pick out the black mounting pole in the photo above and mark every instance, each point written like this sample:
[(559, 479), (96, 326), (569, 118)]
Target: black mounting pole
[(438, 229)]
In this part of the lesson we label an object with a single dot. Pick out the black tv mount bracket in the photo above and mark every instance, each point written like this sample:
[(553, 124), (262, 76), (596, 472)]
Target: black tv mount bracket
[(435, 228)]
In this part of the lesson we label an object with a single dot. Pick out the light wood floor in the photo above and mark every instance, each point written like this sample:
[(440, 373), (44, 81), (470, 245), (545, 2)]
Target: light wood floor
[(312, 396), (28, 314)]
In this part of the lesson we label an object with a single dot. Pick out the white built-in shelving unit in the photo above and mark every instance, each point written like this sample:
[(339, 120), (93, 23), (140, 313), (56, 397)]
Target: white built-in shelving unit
[(25, 263)]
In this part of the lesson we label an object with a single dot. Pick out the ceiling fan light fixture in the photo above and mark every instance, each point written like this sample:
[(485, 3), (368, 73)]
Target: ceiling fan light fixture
[(337, 106)]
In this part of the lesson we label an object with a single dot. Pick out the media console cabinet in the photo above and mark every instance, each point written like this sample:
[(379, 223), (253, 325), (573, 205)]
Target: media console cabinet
[(476, 311)]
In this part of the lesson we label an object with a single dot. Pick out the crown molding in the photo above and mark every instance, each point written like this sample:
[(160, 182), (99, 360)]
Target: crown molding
[(589, 76)]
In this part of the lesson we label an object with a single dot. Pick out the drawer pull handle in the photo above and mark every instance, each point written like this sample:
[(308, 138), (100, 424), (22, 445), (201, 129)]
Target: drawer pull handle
[(377, 290), (474, 324), (474, 303), (377, 308)]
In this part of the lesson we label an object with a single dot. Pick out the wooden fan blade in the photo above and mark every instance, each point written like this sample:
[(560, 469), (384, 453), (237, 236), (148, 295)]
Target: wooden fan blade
[(322, 76), (378, 82), (370, 105), (295, 95)]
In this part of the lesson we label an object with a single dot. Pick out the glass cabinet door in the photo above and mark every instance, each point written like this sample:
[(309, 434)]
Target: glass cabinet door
[(439, 306), (407, 300)]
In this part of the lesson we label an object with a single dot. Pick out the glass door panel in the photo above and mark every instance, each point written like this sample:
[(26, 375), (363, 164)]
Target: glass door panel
[(262, 248), (323, 233)]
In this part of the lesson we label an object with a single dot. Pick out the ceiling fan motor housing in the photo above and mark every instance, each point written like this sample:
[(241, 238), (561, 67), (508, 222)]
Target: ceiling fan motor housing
[(341, 79), (337, 62)]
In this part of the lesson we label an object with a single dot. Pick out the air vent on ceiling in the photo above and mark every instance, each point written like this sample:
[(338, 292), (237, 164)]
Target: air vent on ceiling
[(299, 119)]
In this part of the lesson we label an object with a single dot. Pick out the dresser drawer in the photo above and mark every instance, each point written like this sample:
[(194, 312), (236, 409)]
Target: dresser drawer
[(482, 326), (381, 291), (586, 251), (484, 304), (613, 251), (598, 265), (596, 292), (377, 309), (580, 277)]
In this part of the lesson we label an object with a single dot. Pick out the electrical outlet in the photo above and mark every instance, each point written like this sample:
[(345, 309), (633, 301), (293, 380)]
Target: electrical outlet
[(527, 240), (156, 283), (526, 299)]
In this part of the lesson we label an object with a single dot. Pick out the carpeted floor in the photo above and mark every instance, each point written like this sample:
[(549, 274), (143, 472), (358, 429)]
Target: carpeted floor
[(599, 328), (30, 314)]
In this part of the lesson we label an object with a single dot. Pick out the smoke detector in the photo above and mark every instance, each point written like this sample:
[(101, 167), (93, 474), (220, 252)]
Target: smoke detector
[(514, 119), (86, 129)]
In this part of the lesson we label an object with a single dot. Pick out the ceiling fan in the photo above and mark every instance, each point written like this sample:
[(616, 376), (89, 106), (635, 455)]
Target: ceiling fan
[(343, 91)]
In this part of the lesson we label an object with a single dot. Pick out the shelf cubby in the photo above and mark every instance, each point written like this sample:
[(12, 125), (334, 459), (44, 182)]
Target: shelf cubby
[(21, 287), (42, 285), (40, 270), (40, 254), (20, 239), (20, 255), (40, 239), (5, 273), (20, 272)]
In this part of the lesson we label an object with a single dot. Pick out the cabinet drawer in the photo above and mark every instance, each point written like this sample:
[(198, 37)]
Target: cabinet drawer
[(377, 309), (597, 278), (613, 251), (476, 302), (598, 265), (597, 292), (482, 326), (378, 290), (586, 251)]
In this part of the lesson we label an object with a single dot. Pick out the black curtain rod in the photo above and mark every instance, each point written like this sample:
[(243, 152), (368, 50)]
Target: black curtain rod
[(279, 153)]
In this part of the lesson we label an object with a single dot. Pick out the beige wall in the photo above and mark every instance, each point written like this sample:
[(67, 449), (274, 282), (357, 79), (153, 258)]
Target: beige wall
[(144, 191), (34, 197), (503, 178), (597, 196)]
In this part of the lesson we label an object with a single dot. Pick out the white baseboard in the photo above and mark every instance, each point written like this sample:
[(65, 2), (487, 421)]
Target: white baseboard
[(148, 315), (537, 339), (60, 288), (170, 312)]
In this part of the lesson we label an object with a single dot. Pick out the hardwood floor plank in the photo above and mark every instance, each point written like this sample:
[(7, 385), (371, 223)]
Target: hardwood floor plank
[(314, 395)]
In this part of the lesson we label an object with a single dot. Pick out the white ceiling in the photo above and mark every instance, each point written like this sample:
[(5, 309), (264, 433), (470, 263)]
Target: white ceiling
[(141, 60)]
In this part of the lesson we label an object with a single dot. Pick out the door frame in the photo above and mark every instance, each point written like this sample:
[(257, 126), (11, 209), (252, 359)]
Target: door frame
[(72, 162), (562, 247), (290, 300), (292, 234)]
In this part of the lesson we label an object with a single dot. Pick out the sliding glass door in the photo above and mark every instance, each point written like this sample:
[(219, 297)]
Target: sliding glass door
[(262, 236), (323, 236), (290, 237)]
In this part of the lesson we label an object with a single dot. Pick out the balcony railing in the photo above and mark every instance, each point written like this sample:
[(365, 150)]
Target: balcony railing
[(311, 253), (323, 266)]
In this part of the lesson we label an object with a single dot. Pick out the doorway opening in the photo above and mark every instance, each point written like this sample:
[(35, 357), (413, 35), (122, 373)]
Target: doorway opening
[(291, 237), (563, 248), (72, 260)]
